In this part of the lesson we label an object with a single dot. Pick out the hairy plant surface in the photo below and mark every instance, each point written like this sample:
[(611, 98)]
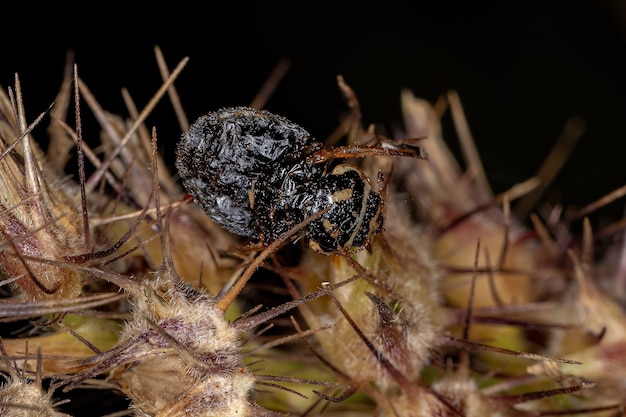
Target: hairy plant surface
[(117, 289)]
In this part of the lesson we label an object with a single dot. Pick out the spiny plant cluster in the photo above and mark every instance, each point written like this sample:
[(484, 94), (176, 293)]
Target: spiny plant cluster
[(118, 290)]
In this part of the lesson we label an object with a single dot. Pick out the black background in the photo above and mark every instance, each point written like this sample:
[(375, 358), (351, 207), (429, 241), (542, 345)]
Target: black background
[(521, 69)]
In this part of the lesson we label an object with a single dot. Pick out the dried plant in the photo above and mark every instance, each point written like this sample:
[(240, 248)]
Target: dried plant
[(465, 304)]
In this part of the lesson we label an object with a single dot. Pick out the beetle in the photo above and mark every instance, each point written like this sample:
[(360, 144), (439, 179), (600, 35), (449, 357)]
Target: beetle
[(259, 175)]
